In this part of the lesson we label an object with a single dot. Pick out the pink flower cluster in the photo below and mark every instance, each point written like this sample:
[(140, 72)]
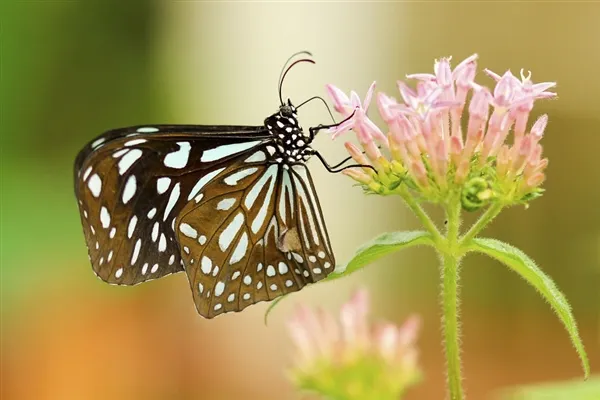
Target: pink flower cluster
[(327, 346), (425, 130)]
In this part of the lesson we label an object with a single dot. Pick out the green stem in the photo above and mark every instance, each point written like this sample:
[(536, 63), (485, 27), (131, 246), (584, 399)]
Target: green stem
[(450, 277), (481, 223), (451, 328), (422, 215)]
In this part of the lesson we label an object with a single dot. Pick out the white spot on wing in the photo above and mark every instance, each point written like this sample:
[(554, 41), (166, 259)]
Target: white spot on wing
[(135, 141), (259, 220), (234, 178), (131, 227), (95, 185), (155, 231), (151, 213), (188, 231), (178, 159), (219, 288), (119, 153), (162, 184), (256, 157), (98, 142), (283, 268), (162, 243), (147, 129), (225, 204), (227, 150), (136, 251), (87, 172), (128, 160), (104, 217), (227, 236), (130, 188), (203, 181), (240, 249), (172, 200), (269, 174), (206, 265)]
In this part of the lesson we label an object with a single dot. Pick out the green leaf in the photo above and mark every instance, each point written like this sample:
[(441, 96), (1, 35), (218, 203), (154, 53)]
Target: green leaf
[(380, 246), (519, 262), (589, 390), (371, 251)]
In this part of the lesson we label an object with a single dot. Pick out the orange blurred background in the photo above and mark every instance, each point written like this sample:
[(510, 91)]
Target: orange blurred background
[(73, 69)]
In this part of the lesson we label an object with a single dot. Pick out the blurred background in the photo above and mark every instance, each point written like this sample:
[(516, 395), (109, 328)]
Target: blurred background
[(73, 69)]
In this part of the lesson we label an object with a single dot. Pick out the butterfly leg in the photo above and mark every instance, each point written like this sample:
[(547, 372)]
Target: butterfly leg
[(335, 168), (314, 130)]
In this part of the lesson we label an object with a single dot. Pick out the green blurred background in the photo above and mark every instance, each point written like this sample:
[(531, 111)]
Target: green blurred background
[(72, 69)]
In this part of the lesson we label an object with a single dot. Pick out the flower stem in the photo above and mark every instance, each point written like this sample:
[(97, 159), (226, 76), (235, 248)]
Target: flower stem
[(451, 328), (481, 223), (450, 269), (422, 215)]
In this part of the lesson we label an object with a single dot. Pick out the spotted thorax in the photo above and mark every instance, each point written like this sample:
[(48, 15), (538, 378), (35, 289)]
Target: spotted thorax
[(292, 144), (431, 155)]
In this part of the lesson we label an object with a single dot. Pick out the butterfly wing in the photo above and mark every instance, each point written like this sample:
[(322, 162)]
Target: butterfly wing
[(132, 183), (255, 233)]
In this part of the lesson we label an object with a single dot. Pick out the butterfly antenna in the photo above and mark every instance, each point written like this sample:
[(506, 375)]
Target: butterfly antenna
[(304, 52), (324, 102), (288, 70)]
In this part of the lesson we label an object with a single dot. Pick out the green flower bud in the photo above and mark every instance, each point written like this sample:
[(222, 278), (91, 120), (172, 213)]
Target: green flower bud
[(476, 193)]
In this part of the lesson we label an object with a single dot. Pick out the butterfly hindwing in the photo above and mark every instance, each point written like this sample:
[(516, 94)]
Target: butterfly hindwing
[(132, 183), (254, 235)]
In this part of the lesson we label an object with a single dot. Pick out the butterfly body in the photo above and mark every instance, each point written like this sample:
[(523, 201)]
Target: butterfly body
[(233, 207)]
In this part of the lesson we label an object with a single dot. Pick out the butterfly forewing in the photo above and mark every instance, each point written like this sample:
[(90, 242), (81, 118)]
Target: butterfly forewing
[(247, 243), (132, 184)]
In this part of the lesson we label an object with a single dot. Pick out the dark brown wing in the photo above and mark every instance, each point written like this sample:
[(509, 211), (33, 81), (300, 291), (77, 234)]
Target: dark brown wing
[(131, 185)]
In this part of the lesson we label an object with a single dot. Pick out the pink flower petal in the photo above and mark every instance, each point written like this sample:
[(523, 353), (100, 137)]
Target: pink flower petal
[(340, 100), (368, 96)]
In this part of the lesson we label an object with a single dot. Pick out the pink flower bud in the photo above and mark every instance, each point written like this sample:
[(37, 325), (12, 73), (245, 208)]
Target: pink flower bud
[(386, 339), (356, 154), (358, 175), (502, 161), (462, 171), (456, 149), (480, 104), (536, 180), (538, 128)]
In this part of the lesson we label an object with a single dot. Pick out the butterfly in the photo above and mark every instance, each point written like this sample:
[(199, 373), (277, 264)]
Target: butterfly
[(234, 207)]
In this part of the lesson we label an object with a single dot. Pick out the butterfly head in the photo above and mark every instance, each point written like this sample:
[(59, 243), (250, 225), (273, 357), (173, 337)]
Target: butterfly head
[(292, 144)]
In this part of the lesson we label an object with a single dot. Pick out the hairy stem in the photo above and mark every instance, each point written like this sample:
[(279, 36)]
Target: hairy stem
[(423, 217), (481, 223), (451, 325), (450, 270)]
